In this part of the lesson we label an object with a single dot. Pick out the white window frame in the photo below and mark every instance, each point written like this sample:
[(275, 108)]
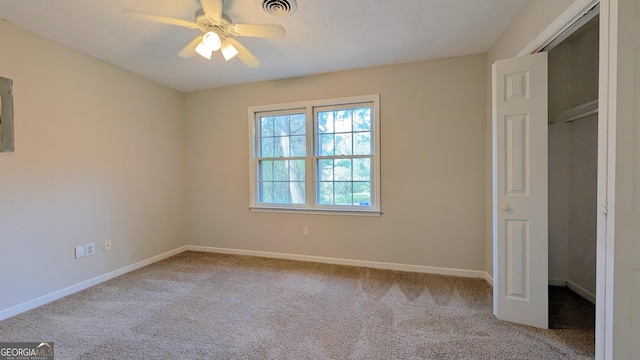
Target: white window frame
[(310, 206)]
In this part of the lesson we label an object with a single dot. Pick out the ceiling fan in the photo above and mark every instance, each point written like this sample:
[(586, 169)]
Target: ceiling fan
[(218, 32)]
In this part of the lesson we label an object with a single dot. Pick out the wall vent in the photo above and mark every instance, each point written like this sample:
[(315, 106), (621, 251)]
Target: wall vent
[(278, 7)]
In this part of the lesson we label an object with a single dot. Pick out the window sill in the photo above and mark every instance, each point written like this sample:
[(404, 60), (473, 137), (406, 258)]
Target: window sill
[(305, 211)]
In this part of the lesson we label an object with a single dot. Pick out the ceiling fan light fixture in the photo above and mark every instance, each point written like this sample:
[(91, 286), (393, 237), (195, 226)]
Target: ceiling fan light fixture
[(212, 41), (204, 51), (228, 51)]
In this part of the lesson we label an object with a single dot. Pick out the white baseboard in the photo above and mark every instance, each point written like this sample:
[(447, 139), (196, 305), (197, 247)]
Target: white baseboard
[(349, 262), (581, 291), (488, 278), (39, 301), (558, 282)]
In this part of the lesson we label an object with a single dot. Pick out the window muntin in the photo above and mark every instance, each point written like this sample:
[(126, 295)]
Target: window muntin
[(317, 155)]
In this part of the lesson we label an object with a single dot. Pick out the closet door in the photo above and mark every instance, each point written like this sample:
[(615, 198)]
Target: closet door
[(520, 222)]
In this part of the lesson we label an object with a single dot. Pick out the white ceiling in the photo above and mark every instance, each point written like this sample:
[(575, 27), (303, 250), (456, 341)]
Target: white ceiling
[(322, 36)]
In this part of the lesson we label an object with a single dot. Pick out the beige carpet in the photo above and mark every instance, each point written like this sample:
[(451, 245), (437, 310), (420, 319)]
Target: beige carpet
[(210, 306)]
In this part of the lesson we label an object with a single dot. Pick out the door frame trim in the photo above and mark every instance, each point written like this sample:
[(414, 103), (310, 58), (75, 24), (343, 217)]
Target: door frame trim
[(606, 154), (564, 22)]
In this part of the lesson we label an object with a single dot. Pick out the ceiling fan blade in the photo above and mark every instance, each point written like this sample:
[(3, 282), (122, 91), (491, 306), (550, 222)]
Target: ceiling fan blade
[(244, 54), (190, 50), (259, 30), (161, 19), (212, 8)]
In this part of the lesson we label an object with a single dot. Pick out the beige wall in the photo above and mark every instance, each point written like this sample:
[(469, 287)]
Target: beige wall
[(433, 128), (529, 23), (99, 155)]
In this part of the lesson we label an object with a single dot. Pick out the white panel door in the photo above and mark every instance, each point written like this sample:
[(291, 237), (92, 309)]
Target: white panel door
[(520, 190)]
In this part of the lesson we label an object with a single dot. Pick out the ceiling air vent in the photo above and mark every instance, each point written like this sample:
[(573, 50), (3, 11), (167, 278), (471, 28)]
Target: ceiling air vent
[(278, 7)]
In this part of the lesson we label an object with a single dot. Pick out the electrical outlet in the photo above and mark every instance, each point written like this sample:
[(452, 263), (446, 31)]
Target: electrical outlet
[(305, 231), (107, 245), (79, 251), (90, 249)]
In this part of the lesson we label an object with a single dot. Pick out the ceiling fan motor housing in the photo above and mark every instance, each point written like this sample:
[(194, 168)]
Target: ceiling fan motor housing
[(278, 7), (222, 26)]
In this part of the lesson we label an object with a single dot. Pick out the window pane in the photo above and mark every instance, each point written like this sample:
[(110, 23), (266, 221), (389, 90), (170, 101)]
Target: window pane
[(362, 119), (265, 171), (297, 170), (266, 148), (325, 122), (281, 125), (280, 171), (288, 186), (280, 147), (342, 170), (343, 121), (297, 192), (362, 193), (266, 126), (281, 193), (325, 193), (362, 169), (343, 145), (298, 146), (343, 193), (325, 169), (298, 124), (325, 145), (362, 143), (265, 189)]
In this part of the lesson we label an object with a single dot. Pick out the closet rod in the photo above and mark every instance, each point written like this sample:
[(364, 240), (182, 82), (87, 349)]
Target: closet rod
[(576, 113)]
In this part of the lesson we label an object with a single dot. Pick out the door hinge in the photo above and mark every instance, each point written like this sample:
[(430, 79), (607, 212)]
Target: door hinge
[(605, 208)]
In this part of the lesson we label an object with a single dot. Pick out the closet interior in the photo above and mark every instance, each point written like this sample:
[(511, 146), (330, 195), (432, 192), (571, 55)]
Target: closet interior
[(573, 160)]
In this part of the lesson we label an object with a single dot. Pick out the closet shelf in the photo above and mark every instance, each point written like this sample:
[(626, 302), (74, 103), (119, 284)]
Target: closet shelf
[(578, 112)]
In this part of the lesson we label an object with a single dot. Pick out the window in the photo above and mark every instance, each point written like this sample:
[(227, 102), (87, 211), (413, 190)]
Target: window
[(316, 156)]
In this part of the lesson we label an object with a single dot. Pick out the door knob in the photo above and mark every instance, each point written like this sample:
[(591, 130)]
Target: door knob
[(505, 208)]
